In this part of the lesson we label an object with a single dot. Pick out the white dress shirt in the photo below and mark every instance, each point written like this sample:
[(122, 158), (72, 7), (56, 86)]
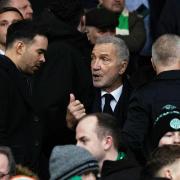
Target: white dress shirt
[(116, 94)]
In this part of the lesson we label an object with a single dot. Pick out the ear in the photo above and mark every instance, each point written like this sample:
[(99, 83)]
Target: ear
[(167, 174), (81, 26), (20, 46), (123, 67), (153, 64), (107, 142)]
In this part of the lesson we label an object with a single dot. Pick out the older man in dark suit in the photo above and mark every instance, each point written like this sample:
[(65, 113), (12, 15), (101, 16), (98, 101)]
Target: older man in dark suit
[(109, 61)]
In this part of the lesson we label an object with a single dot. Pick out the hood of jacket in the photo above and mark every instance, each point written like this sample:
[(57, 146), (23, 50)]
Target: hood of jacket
[(57, 29)]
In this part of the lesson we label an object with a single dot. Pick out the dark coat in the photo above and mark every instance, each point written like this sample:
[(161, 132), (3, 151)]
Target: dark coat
[(20, 129), (120, 111), (156, 8), (169, 20), (124, 169), (145, 105), (67, 70)]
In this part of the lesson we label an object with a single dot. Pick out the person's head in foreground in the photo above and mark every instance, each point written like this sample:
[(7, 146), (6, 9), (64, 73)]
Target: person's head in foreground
[(7, 163), (164, 163), (72, 162), (99, 133)]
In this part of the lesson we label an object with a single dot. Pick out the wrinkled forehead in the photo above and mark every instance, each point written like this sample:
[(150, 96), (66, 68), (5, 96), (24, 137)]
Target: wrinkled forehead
[(104, 48)]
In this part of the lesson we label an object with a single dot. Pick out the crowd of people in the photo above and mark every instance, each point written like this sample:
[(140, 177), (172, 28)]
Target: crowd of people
[(89, 90)]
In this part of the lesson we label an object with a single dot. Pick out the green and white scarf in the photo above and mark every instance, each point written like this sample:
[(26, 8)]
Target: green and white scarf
[(123, 26)]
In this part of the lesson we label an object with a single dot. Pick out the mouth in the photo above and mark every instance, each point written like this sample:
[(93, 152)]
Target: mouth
[(37, 67), (96, 77), (117, 5)]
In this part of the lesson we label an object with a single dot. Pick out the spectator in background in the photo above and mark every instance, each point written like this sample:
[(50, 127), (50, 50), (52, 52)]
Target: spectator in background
[(67, 70), (166, 127), (142, 9), (24, 6), (100, 22), (130, 27), (72, 162), (8, 15), (7, 163), (146, 102)]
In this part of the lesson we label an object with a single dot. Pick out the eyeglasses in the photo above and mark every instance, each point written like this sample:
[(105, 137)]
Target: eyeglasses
[(3, 174)]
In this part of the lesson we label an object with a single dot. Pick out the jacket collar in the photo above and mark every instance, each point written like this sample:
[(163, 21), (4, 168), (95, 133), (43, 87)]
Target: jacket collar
[(173, 74)]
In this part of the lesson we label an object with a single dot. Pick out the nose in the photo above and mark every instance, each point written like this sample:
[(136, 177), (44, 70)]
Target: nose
[(177, 138), (95, 64), (78, 143), (30, 10), (42, 58)]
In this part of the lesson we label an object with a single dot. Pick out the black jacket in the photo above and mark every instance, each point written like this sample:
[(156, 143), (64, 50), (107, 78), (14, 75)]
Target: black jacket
[(20, 128), (145, 105), (169, 19), (124, 169), (120, 111), (67, 70)]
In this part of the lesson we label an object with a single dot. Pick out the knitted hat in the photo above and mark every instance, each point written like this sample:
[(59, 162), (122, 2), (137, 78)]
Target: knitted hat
[(101, 18), (167, 121), (70, 160)]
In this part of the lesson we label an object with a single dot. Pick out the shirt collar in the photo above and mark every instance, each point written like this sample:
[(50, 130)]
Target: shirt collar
[(2, 52), (116, 93)]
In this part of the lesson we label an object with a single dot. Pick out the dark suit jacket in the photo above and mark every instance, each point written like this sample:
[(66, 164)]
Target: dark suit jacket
[(145, 105), (19, 128), (120, 111)]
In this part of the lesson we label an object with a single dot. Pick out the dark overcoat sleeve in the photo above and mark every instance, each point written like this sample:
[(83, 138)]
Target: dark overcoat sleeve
[(136, 126)]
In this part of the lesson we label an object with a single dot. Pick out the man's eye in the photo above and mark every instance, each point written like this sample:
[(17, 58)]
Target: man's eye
[(105, 59), (83, 141), (168, 135), (92, 57), (3, 24)]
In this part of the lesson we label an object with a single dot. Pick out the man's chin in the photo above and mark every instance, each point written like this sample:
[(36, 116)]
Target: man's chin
[(117, 9), (97, 84)]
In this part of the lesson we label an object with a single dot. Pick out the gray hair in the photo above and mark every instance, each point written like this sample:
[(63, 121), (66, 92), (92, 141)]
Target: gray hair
[(121, 47), (166, 50)]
